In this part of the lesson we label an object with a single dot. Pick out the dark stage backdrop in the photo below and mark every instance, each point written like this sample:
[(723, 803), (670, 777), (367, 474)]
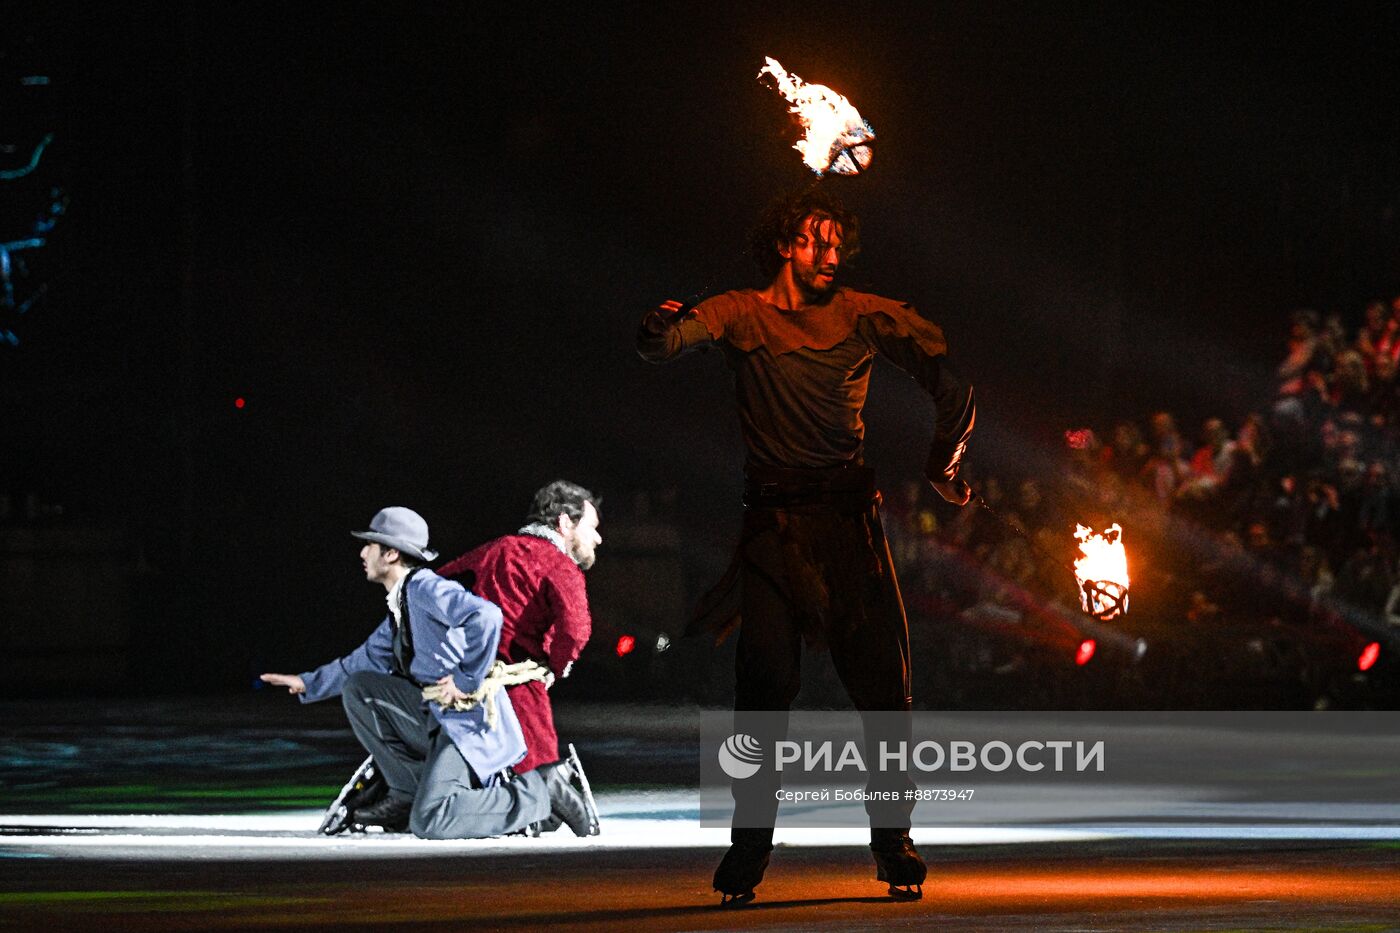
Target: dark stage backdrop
[(415, 240)]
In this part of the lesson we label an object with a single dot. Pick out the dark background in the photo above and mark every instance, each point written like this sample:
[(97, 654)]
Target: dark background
[(416, 239)]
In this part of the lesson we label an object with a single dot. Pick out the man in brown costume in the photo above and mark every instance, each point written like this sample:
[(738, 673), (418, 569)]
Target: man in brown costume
[(812, 563)]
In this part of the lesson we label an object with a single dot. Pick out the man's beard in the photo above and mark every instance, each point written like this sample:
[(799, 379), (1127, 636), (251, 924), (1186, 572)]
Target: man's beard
[(814, 292), (584, 561)]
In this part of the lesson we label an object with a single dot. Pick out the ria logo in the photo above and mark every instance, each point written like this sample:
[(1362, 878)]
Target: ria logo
[(740, 756)]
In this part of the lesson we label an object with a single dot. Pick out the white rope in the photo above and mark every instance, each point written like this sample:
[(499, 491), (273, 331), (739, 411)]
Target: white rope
[(500, 676)]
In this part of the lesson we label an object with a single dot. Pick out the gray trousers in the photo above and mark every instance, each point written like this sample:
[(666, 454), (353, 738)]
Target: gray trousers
[(420, 762), (388, 716), (452, 804)]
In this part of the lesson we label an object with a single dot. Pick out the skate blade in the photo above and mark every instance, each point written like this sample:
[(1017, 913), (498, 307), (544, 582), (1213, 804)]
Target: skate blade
[(335, 822), (907, 892), (728, 901), (337, 814), (594, 825)]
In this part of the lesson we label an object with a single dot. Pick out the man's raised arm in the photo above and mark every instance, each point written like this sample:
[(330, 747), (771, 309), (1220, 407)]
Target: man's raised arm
[(666, 332)]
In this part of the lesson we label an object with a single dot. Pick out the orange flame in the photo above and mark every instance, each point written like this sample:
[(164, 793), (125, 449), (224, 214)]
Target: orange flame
[(1102, 572), (837, 137)]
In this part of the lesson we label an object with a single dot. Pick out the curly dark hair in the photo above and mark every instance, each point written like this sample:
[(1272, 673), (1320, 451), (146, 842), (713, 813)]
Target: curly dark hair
[(781, 222), (410, 562), (561, 496)]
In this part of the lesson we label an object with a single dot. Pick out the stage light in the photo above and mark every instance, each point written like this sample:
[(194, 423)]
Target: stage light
[(1085, 652), (1368, 656), (625, 644)]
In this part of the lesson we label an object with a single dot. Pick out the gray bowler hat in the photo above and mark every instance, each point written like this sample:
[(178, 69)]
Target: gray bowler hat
[(399, 528)]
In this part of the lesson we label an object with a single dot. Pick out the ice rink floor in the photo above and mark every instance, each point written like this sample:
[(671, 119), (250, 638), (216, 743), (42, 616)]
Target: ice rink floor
[(198, 815)]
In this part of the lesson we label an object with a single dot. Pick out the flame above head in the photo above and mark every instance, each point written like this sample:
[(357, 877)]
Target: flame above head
[(1102, 572), (837, 139)]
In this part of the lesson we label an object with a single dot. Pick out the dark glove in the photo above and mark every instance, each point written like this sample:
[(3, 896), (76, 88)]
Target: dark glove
[(653, 324), (954, 491)]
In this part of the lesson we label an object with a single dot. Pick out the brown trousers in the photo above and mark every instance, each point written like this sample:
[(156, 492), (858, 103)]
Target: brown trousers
[(820, 571)]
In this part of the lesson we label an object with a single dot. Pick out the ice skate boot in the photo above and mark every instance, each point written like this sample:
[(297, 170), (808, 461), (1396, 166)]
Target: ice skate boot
[(365, 787), (898, 863), (566, 802), (742, 867), (594, 824), (392, 814)]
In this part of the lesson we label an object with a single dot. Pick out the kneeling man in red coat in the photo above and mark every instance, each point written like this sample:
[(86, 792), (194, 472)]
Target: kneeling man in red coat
[(536, 577)]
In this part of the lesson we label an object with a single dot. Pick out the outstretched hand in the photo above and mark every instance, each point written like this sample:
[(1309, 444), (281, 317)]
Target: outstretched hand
[(954, 491), (292, 682)]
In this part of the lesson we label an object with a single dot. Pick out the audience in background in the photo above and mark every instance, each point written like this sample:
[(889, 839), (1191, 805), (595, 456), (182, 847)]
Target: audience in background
[(1294, 516)]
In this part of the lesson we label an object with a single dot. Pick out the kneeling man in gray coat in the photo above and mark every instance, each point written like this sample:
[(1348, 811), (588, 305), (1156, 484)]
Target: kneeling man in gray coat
[(447, 770)]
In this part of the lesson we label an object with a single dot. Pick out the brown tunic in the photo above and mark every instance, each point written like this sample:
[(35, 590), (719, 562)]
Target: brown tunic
[(802, 376)]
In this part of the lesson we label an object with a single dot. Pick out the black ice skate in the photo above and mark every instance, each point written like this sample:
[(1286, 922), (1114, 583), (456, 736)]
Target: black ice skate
[(366, 786), (594, 825), (898, 864), (742, 867), (566, 801), (391, 813)]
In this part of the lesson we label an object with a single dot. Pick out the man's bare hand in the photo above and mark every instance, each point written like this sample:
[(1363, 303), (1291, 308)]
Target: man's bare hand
[(450, 693), (292, 682), (954, 491)]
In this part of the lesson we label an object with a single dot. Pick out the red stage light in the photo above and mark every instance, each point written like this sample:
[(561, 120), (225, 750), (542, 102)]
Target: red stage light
[(1085, 652), (625, 644), (239, 402), (1369, 656)]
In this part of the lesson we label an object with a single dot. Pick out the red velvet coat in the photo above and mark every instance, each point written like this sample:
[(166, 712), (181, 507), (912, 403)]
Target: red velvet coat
[(541, 594)]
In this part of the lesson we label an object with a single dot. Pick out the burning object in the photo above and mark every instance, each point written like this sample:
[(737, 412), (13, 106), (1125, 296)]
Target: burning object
[(1102, 572), (836, 138)]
